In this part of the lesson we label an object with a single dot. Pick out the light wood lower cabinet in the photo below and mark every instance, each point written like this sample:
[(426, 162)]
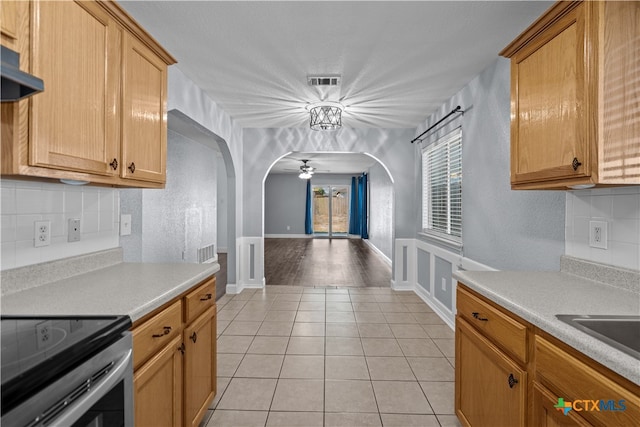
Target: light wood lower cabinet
[(511, 373), (158, 388), (174, 351), (491, 389), (200, 367)]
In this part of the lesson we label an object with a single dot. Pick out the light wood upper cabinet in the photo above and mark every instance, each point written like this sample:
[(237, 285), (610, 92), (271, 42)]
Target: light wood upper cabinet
[(9, 21), (102, 115), (144, 113), (575, 90), (73, 122)]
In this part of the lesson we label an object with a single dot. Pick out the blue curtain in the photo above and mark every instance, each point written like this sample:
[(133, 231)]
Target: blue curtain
[(308, 224), (354, 218), (362, 206)]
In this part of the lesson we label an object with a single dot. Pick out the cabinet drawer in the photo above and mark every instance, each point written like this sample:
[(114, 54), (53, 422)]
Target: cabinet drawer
[(576, 382), (156, 332), (199, 300), (507, 332)]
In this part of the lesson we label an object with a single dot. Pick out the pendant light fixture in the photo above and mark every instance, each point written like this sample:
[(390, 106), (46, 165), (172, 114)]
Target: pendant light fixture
[(325, 115)]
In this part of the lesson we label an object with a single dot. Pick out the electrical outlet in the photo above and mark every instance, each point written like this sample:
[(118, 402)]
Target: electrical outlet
[(444, 284), (125, 225), (42, 233), (74, 230), (598, 234), (44, 334)]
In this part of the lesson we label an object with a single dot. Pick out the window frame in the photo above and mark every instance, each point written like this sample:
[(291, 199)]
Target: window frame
[(451, 144)]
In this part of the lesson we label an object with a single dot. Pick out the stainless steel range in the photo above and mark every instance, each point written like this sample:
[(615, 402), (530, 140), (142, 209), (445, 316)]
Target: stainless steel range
[(66, 371)]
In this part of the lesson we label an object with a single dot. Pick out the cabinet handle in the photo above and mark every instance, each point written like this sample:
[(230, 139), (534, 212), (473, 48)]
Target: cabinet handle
[(166, 331), (132, 167), (194, 337), (476, 315), (181, 348), (114, 164), (512, 381), (575, 163), (206, 297)]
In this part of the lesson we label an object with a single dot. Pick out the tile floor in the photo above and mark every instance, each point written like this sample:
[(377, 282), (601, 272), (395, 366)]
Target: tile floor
[(327, 356)]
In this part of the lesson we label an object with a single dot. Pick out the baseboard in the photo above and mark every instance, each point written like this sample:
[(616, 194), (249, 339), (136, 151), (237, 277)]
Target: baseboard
[(288, 236), (232, 288), (378, 251), (406, 286), (440, 311)]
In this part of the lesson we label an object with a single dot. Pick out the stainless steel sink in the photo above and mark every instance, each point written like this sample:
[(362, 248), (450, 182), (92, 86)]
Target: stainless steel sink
[(621, 332)]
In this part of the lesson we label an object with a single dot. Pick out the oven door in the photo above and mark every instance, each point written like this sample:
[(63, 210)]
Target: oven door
[(97, 393)]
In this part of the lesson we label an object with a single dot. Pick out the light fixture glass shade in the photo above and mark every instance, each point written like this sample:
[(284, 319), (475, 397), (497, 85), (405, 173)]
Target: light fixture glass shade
[(305, 175), (326, 117)]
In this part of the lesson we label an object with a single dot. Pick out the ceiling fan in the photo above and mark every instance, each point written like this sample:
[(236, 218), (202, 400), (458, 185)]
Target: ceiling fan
[(305, 170)]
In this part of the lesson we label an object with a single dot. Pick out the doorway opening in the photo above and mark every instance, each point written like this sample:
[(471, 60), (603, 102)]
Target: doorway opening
[(330, 211)]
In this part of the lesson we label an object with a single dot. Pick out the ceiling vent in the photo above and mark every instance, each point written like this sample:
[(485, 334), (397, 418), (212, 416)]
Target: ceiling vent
[(330, 80)]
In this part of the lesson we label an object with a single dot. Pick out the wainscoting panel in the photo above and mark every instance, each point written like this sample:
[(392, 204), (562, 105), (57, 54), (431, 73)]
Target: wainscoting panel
[(251, 265)]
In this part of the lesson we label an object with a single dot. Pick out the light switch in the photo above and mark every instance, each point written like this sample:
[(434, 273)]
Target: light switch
[(125, 225)]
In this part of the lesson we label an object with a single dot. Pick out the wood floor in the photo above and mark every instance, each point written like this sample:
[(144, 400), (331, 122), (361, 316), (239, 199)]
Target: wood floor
[(324, 262)]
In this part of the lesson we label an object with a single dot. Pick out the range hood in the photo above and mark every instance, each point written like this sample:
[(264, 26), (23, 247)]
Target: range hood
[(16, 84)]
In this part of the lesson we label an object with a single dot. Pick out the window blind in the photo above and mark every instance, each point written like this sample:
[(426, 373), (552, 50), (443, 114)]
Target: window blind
[(442, 186)]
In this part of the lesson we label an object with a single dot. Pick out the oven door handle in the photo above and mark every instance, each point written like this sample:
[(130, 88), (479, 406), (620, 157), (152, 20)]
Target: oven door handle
[(83, 404)]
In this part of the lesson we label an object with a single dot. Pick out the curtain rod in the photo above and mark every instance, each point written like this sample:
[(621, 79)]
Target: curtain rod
[(458, 109)]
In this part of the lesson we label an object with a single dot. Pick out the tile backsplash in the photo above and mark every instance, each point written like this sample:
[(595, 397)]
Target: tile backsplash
[(24, 202), (620, 208)]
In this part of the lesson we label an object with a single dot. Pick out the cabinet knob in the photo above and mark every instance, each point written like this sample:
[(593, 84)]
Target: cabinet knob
[(206, 297), (181, 348), (194, 337), (575, 164), (166, 331), (114, 164), (132, 167), (476, 315), (512, 381)]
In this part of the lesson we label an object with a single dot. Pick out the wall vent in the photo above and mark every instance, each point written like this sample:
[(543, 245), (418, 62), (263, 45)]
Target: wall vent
[(206, 254), (330, 80)]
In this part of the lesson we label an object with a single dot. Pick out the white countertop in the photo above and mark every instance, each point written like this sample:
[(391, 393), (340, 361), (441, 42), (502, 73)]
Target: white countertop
[(134, 289), (538, 296)]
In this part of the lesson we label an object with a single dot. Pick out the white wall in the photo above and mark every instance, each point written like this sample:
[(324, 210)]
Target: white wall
[(24, 202), (223, 205), (620, 208)]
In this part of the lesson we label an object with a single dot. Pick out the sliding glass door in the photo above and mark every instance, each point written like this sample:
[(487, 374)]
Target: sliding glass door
[(331, 210)]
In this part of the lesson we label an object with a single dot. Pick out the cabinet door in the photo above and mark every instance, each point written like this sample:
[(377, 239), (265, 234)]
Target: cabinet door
[(545, 413), (144, 113), (158, 388), (482, 367), (73, 122), (550, 99), (200, 366), (9, 20)]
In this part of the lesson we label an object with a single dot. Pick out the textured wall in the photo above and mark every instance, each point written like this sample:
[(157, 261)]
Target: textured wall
[(182, 217), (284, 204), (620, 208), (131, 204), (381, 210), (262, 147), (504, 229), (24, 202)]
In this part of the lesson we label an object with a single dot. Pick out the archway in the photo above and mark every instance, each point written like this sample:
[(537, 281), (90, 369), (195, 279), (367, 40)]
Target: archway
[(283, 219)]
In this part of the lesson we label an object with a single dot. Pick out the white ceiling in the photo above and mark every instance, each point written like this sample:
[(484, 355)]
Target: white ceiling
[(399, 61)]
